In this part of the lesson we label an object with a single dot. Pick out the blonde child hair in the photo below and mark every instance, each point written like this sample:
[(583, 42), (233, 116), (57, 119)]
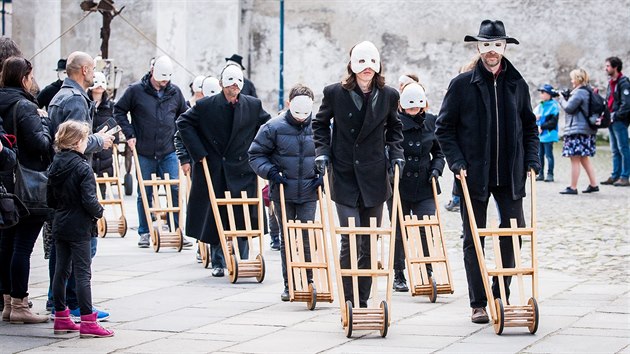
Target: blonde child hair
[(70, 134)]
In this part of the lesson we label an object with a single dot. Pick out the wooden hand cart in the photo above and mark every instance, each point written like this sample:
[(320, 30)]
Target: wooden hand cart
[(163, 232), (239, 266), (298, 238), (113, 197), (423, 281), (504, 314), (376, 316)]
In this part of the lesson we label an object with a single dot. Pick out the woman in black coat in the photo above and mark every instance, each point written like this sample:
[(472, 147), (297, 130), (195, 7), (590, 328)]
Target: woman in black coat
[(424, 161), (365, 121), (21, 118)]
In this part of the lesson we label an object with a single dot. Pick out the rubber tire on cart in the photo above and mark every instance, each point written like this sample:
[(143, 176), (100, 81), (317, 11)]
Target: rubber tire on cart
[(122, 226), (349, 319), (155, 237), (101, 226), (433, 294), (128, 183), (261, 276), (313, 300), (385, 327), (534, 326), (204, 250), (234, 274), (498, 325)]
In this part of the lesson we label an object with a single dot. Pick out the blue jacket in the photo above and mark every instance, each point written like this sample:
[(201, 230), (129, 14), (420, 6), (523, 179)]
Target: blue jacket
[(72, 102), (547, 113)]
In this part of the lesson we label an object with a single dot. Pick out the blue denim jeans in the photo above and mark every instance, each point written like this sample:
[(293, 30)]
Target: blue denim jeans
[(149, 165), (620, 149), (546, 151)]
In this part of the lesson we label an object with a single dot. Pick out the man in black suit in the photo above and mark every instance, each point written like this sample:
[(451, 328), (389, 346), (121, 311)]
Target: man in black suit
[(221, 128)]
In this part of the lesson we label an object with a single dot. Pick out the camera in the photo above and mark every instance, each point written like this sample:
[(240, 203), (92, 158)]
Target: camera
[(566, 93)]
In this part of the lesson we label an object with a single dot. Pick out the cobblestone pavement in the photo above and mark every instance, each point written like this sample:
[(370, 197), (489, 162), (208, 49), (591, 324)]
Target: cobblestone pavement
[(166, 302)]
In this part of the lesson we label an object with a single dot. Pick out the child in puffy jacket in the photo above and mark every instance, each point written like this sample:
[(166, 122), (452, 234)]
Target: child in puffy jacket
[(547, 113), (72, 194)]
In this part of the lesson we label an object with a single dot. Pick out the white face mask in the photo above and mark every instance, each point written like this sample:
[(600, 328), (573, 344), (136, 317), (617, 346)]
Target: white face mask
[(162, 69), (62, 75), (301, 107), (197, 82), (210, 86), (231, 75), (496, 46), (413, 96), (99, 80), (365, 55)]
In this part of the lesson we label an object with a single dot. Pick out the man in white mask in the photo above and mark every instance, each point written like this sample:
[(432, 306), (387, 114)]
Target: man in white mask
[(154, 103), (248, 87), (284, 153), (364, 110), (196, 90), (486, 127), (46, 95), (220, 128)]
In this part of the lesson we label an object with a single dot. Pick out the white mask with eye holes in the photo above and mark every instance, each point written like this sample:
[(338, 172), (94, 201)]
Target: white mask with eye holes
[(301, 107), (413, 96), (162, 69), (365, 55), (99, 80), (492, 46), (197, 82), (231, 75), (210, 86)]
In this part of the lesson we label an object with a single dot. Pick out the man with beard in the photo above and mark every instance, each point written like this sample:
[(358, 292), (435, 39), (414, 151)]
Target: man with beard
[(221, 128), (154, 103), (488, 132)]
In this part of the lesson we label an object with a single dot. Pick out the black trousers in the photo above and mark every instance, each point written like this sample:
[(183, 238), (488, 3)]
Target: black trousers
[(508, 208), (75, 256), (362, 217), (420, 209)]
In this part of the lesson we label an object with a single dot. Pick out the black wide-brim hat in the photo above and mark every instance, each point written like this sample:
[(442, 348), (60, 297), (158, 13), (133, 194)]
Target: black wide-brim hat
[(61, 65), (237, 59), (491, 31)]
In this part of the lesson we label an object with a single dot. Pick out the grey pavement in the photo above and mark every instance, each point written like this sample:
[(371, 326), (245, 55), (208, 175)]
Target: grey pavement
[(166, 302)]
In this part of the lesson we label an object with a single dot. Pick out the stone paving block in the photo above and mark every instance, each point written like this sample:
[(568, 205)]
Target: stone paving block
[(578, 344), (596, 289), (289, 341), (14, 344), (233, 333), (43, 330), (607, 332), (122, 339), (361, 347), (272, 316), (604, 320), (174, 321), (176, 345)]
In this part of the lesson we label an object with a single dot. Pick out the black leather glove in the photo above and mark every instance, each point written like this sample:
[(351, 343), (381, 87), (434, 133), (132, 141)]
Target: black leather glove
[(534, 166), (321, 163), (434, 174), (318, 181), (275, 176), (397, 162), (457, 167)]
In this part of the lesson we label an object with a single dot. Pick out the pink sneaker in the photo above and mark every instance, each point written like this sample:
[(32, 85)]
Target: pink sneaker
[(63, 322), (91, 329)]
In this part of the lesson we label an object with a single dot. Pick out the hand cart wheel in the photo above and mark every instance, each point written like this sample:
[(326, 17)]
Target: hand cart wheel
[(234, 274), (313, 300), (261, 276), (349, 319), (204, 252), (178, 232), (533, 327), (128, 182), (101, 226), (498, 325), (155, 237), (385, 319), (122, 226), (434, 292)]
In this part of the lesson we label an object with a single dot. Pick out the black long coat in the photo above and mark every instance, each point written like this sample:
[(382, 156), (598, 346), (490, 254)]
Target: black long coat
[(463, 129), (358, 163), (422, 155), (229, 168)]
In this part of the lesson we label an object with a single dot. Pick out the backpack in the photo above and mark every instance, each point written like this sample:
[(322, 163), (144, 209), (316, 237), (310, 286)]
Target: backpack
[(597, 110)]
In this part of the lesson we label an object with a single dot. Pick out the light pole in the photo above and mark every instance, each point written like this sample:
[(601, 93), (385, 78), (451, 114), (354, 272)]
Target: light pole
[(281, 86)]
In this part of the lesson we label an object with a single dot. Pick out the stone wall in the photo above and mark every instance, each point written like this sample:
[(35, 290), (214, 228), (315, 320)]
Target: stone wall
[(423, 37)]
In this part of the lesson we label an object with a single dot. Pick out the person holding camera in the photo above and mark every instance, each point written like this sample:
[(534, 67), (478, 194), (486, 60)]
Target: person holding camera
[(579, 137), (547, 113)]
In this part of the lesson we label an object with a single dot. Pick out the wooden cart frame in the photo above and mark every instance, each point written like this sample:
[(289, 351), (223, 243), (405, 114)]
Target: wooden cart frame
[(321, 288), (115, 199), (504, 314), (375, 317), (163, 232), (238, 267), (441, 281)]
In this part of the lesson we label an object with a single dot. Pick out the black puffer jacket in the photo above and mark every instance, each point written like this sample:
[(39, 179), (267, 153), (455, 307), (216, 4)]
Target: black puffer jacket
[(72, 193), (152, 117), (422, 155), (33, 136), (102, 161), (287, 145)]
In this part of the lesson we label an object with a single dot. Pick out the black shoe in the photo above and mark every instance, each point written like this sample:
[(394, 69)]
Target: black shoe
[(540, 177), (186, 243), (569, 190), (275, 245), (591, 189), (400, 283), (549, 177), (285, 294), (218, 272), (452, 206)]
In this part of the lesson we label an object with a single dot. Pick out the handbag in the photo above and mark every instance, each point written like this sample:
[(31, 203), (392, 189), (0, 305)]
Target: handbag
[(11, 209), (30, 185)]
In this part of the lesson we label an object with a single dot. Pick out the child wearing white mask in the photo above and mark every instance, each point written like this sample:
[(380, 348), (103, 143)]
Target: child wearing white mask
[(283, 152)]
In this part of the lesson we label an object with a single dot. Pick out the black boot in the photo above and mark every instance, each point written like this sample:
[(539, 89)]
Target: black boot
[(285, 296), (400, 283)]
